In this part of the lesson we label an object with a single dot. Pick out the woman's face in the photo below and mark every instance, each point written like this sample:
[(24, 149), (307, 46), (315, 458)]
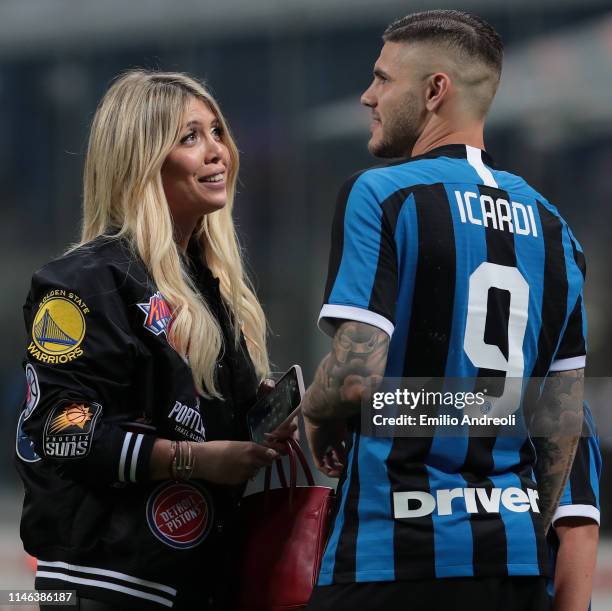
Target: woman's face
[(194, 174)]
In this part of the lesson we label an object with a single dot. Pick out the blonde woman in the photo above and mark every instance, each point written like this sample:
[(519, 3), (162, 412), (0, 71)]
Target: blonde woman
[(146, 346)]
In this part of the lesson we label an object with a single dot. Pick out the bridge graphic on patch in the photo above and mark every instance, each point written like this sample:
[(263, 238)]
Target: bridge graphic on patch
[(48, 331)]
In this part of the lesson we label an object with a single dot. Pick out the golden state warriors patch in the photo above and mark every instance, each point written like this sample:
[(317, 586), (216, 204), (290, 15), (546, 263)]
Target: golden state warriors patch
[(69, 429), (59, 328)]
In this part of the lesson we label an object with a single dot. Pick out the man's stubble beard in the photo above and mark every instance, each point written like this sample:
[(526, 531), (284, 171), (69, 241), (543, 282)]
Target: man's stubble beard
[(400, 131)]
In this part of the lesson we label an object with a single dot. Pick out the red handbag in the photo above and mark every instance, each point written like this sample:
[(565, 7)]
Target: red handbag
[(283, 532)]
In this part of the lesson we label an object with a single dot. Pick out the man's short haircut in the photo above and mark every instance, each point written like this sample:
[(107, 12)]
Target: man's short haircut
[(467, 33)]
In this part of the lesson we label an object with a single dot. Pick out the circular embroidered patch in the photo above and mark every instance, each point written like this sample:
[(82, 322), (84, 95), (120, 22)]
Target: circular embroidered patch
[(23, 444), (32, 391), (58, 328), (179, 514)]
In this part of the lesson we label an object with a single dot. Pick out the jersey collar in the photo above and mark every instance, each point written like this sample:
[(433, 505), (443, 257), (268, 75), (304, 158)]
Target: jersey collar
[(455, 151)]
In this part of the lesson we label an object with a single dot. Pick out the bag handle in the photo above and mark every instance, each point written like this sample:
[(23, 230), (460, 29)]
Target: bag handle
[(295, 446), (282, 478), (293, 449)]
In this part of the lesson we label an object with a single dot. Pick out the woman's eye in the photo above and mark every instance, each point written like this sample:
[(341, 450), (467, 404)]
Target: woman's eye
[(217, 133), (190, 137)]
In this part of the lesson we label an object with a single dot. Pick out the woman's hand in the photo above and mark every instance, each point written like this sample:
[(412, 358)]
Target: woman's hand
[(230, 462), (288, 429), (277, 438)]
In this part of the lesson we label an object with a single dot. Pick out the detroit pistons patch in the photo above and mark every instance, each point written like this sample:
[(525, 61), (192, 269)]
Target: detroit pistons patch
[(69, 429), (179, 514)]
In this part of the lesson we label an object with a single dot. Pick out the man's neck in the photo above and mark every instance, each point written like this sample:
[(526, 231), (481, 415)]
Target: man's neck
[(431, 139)]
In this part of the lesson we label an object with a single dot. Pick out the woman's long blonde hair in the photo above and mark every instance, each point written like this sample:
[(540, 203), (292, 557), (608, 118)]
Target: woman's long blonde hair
[(135, 127)]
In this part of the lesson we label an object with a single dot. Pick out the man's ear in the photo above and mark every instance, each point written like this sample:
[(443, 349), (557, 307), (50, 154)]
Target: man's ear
[(436, 91)]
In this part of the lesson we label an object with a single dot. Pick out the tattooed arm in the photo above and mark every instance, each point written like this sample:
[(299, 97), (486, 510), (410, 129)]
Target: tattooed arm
[(556, 428), (357, 361)]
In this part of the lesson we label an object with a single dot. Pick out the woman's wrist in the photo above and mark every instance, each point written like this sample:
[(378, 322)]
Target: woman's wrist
[(161, 460), (178, 460)]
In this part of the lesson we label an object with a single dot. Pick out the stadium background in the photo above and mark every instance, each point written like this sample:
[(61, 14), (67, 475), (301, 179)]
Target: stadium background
[(288, 75)]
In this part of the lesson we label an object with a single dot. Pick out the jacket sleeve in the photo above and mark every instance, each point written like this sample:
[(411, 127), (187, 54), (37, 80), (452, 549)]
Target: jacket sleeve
[(80, 361)]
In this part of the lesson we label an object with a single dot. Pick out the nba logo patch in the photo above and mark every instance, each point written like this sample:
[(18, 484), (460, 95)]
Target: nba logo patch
[(179, 514), (32, 391), (69, 429), (157, 314)]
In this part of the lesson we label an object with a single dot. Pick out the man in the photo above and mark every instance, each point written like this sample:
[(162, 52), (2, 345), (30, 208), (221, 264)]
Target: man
[(574, 538), (442, 266)]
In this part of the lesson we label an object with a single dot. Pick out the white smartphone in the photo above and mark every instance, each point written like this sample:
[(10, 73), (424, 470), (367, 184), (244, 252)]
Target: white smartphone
[(279, 405)]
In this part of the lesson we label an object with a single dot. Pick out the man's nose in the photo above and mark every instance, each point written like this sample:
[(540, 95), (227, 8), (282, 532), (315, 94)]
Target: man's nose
[(367, 99)]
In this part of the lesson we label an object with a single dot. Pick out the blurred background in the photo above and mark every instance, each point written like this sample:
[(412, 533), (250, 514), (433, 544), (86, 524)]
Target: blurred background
[(288, 75)]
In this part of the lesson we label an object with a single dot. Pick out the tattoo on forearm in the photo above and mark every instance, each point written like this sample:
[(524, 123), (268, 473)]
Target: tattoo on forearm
[(357, 361), (556, 428)]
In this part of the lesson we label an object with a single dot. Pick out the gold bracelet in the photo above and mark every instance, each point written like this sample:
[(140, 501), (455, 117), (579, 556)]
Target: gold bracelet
[(183, 460), (190, 463), (174, 451)]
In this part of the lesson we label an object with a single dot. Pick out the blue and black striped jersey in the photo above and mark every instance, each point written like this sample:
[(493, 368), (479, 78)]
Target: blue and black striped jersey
[(472, 273)]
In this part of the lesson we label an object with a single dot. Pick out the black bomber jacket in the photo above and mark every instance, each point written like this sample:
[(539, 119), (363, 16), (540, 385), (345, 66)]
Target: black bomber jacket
[(102, 384)]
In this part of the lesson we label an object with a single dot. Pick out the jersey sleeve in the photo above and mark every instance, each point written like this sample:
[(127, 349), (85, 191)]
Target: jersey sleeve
[(362, 277), (581, 494), (80, 360), (572, 350)]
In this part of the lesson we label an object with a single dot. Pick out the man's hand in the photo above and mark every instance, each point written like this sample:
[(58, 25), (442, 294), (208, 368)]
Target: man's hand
[(328, 443)]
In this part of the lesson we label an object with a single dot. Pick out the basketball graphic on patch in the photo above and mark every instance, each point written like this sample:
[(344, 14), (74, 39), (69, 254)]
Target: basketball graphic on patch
[(179, 514), (77, 414), (59, 326)]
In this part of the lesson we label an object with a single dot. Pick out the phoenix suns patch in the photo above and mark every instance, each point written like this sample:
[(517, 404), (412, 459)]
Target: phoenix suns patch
[(69, 429), (59, 327)]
